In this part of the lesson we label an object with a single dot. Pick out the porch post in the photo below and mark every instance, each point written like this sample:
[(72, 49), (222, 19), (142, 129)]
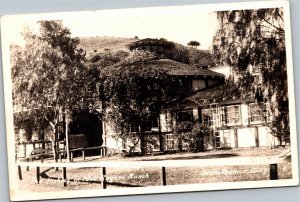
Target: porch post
[(161, 148)]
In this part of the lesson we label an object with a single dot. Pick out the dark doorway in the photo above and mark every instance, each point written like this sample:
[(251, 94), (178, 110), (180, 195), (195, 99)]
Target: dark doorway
[(90, 125)]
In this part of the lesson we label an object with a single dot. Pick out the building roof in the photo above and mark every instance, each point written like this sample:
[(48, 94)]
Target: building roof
[(151, 42), (170, 49), (181, 69), (224, 94)]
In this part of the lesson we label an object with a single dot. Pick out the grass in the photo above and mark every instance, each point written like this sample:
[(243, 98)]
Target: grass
[(90, 178), (93, 45), (190, 155)]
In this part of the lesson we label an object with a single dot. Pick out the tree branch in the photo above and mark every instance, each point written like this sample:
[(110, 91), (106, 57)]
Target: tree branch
[(278, 13), (280, 29)]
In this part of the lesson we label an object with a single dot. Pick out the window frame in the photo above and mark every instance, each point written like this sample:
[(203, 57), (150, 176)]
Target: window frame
[(170, 141), (153, 127), (134, 127), (191, 114), (215, 115), (268, 116), (228, 115)]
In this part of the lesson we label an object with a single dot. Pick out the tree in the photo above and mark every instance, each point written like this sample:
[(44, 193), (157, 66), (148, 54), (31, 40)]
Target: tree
[(252, 42), (193, 44), (48, 76)]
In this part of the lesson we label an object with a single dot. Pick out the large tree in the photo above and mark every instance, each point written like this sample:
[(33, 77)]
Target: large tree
[(48, 76), (252, 42)]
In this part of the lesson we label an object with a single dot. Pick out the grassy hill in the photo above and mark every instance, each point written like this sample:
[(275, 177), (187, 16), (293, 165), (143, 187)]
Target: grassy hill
[(98, 48), (94, 45)]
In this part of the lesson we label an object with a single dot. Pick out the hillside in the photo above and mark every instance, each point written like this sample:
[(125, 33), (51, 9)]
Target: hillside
[(99, 48), (94, 45)]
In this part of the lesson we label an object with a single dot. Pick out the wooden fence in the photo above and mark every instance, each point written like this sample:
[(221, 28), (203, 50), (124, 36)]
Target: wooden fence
[(102, 149), (163, 165)]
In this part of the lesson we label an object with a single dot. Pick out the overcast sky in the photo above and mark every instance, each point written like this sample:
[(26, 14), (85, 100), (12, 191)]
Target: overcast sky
[(179, 24)]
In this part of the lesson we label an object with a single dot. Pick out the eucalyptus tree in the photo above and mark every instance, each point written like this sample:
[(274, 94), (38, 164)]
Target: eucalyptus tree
[(252, 42)]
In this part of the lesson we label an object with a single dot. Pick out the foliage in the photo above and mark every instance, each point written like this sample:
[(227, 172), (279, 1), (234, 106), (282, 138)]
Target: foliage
[(184, 126), (178, 53), (252, 42), (48, 74), (132, 92), (200, 132), (108, 57), (192, 134), (193, 43)]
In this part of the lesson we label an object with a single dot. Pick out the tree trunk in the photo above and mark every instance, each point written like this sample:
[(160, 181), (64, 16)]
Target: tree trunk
[(67, 136), (54, 150), (53, 138), (143, 143), (53, 141)]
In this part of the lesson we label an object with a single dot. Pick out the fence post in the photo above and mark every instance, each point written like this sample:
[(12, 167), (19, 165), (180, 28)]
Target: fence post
[(38, 174), (103, 179), (65, 176), (25, 153), (20, 172), (59, 157), (163, 176), (27, 167), (273, 172), (83, 154)]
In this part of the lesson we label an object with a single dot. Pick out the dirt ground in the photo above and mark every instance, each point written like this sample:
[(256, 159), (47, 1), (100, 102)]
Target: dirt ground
[(90, 178)]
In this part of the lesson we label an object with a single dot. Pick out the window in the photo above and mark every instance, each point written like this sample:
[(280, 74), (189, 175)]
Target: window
[(152, 144), (134, 127), (226, 137), (185, 120), (217, 140), (198, 84), (186, 115), (233, 115), (183, 86), (152, 123), (213, 117), (169, 142), (256, 115), (207, 117)]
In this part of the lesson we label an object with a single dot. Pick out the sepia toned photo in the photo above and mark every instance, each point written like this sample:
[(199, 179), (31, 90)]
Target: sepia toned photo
[(149, 100)]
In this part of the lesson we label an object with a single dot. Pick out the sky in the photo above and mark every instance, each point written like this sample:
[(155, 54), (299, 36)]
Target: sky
[(178, 24)]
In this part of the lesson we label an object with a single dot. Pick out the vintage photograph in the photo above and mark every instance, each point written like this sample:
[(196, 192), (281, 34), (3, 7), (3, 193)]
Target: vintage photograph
[(149, 100)]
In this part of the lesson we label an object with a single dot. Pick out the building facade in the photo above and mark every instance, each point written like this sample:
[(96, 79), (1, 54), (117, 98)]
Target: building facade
[(223, 121)]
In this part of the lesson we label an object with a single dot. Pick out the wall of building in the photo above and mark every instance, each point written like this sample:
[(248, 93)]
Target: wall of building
[(252, 136), (243, 134)]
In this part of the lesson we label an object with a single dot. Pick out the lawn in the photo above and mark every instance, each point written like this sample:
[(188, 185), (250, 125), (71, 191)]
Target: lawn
[(90, 178), (253, 152)]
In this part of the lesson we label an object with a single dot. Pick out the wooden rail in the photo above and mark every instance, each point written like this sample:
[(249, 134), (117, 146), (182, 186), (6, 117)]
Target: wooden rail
[(83, 149), (163, 165)]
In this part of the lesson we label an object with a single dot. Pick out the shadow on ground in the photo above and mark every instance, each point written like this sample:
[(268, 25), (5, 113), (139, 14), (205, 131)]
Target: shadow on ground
[(212, 156)]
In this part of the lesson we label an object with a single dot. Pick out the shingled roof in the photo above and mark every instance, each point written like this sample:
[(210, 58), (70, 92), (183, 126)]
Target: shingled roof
[(151, 42), (224, 94), (181, 69)]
